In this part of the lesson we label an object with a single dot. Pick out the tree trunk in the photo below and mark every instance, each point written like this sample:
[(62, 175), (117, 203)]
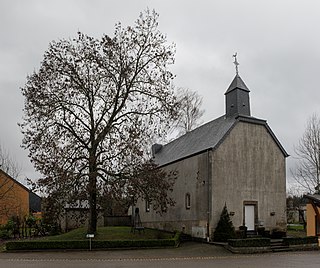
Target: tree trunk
[(92, 228), (92, 192)]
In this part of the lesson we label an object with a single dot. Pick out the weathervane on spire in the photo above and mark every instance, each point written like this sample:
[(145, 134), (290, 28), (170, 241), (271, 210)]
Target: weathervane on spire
[(236, 63)]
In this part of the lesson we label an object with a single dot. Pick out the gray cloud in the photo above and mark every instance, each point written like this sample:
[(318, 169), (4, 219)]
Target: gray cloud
[(277, 43)]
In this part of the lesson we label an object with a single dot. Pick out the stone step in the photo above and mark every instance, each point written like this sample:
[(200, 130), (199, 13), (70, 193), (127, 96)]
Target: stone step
[(280, 248), (276, 245)]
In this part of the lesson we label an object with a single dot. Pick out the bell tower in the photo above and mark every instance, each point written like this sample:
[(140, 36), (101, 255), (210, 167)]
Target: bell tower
[(237, 96)]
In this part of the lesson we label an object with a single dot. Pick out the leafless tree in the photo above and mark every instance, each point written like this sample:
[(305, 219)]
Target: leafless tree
[(9, 168), (307, 172), (190, 112), (92, 105), (9, 172), (296, 204), (8, 164)]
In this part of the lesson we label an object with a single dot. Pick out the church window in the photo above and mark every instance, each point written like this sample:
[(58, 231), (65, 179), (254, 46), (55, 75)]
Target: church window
[(147, 205), (188, 201)]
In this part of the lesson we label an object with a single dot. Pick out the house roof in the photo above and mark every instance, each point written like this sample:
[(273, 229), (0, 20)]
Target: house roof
[(205, 137), (314, 197), (34, 199), (15, 181)]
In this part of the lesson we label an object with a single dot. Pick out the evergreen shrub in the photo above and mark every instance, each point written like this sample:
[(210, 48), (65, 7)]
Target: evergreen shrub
[(225, 229), (300, 240)]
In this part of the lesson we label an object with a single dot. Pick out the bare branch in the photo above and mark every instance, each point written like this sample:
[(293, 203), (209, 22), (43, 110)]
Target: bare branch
[(190, 112), (91, 109), (8, 164), (307, 172)]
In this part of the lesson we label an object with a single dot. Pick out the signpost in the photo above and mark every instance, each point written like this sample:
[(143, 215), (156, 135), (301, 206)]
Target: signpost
[(90, 236)]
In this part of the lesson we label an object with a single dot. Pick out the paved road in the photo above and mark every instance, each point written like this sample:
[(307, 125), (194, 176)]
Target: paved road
[(188, 255)]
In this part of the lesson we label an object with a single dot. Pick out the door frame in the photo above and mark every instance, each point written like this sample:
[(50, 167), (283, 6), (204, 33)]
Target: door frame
[(251, 203)]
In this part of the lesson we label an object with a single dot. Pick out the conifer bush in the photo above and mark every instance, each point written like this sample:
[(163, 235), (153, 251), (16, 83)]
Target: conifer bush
[(225, 229)]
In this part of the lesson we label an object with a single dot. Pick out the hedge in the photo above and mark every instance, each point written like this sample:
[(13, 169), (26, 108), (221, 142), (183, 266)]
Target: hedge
[(95, 244), (300, 240), (249, 242)]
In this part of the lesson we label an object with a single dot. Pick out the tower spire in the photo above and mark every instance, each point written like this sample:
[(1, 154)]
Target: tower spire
[(236, 63), (237, 95)]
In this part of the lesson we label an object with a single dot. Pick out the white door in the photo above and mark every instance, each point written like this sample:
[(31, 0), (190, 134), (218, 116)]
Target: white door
[(249, 217)]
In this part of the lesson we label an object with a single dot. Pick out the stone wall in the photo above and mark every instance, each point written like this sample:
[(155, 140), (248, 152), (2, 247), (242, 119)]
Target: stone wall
[(192, 180), (249, 167)]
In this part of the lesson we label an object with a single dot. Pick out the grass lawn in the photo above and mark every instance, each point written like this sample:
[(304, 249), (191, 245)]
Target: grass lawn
[(106, 237), (112, 233), (296, 230)]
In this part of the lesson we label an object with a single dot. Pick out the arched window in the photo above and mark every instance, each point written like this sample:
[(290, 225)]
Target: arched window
[(188, 201), (147, 205)]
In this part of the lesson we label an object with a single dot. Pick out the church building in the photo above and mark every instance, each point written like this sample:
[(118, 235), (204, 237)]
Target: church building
[(235, 160)]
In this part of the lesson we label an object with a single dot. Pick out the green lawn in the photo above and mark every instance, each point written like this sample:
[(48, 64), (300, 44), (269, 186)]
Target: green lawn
[(296, 230), (112, 233)]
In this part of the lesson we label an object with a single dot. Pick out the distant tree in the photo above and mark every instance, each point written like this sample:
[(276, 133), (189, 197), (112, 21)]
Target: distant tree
[(189, 110), (147, 183), (296, 203), (8, 164), (8, 196), (307, 171), (52, 209), (93, 105), (143, 183), (225, 229)]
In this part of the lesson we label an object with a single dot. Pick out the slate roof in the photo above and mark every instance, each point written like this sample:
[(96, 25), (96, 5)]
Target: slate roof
[(195, 141), (237, 82), (205, 137)]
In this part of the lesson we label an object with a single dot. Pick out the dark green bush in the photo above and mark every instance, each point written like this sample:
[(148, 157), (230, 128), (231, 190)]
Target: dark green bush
[(4, 234), (249, 242), (52, 229), (278, 234), (240, 234), (225, 229), (96, 244), (42, 244), (300, 240), (31, 221)]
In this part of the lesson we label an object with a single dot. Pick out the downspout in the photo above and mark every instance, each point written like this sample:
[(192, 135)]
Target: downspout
[(209, 194)]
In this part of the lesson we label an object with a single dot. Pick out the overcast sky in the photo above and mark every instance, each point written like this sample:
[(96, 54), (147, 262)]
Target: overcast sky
[(278, 45)]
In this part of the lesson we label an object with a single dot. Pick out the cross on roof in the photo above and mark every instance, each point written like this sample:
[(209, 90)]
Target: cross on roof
[(236, 63)]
